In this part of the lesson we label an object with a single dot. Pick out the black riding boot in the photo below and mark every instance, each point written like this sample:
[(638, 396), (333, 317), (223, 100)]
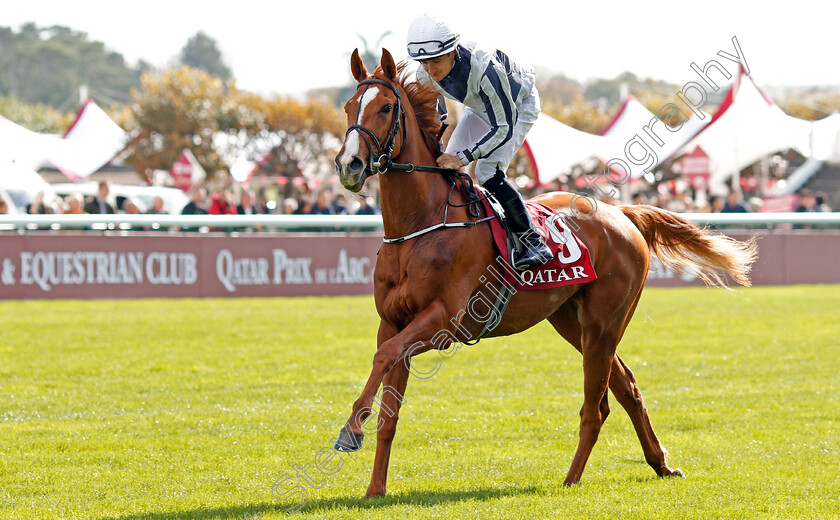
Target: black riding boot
[(531, 249)]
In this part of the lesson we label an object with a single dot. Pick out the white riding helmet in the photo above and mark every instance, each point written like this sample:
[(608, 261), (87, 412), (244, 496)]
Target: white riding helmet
[(430, 37)]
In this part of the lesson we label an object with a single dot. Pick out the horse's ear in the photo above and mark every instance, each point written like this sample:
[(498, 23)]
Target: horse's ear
[(357, 66), (388, 65)]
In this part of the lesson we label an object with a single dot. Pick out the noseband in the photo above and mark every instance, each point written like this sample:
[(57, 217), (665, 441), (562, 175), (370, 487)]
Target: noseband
[(385, 149)]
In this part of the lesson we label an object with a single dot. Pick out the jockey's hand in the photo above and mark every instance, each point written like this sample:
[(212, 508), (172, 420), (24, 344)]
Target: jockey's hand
[(448, 160)]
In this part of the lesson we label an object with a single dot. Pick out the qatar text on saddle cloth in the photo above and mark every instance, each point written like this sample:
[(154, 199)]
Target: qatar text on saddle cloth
[(571, 263)]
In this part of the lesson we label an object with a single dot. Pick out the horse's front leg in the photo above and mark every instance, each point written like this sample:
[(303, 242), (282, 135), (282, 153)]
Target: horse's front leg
[(421, 330), (394, 385)]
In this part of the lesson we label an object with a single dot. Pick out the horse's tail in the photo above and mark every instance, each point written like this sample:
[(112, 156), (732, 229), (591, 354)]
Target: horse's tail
[(682, 246)]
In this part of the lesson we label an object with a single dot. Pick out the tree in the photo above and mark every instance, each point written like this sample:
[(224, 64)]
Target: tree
[(188, 108), (811, 103), (370, 55), (47, 65), (559, 88), (579, 114), (176, 109), (36, 117), (610, 89), (300, 137), (201, 52)]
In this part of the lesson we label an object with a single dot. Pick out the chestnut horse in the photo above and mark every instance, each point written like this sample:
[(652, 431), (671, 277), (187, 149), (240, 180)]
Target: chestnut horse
[(422, 285)]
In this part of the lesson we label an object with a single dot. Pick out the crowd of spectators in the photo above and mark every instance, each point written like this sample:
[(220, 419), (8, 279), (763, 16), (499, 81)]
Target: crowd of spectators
[(221, 202), (734, 202), (329, 202), (810, 202), (323, 202), (99, 204)]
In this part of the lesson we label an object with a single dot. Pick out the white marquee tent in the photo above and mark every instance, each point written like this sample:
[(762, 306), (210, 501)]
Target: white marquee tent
[(90, 143), (746, 127)]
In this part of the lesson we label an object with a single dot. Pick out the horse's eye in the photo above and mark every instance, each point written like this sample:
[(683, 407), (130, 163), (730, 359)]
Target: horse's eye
[(387, 109)]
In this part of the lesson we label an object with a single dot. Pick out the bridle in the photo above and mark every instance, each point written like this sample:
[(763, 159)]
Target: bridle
[(385, 149), (383, 163)]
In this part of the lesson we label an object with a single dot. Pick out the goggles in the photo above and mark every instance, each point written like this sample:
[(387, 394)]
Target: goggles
[(430, 48)]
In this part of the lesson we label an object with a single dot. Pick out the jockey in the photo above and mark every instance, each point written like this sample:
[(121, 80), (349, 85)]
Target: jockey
[(502, 103)]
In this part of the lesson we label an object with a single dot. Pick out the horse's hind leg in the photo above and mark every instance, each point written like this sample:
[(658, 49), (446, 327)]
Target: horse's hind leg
[(623, 385)]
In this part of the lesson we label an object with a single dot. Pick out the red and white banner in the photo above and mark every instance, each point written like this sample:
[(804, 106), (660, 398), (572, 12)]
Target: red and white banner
[(696, 167), (187, 172), (785, 203)]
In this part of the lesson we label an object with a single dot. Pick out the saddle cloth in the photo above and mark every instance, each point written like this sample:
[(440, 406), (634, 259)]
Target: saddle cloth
[(571, 263)]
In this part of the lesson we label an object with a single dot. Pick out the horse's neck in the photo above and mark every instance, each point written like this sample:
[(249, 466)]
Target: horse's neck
[(411, 201)]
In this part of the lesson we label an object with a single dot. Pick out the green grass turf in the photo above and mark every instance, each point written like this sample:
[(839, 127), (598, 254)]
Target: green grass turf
[(158, 409)]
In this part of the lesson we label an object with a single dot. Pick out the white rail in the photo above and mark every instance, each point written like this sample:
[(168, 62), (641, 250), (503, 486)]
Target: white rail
[(338, 222), (763, 218), (341, 222)]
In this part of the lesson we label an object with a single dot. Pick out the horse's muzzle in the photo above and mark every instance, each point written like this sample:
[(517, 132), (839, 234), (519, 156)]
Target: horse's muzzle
[(352, 174)]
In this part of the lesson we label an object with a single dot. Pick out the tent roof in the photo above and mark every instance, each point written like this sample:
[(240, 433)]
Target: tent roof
[(746, 127), (90, 143)]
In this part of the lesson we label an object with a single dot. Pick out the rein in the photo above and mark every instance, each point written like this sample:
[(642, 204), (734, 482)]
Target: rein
[(384, 164), (473, 209)]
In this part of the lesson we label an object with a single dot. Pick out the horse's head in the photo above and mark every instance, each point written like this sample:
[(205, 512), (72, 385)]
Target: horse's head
[(373, 120)]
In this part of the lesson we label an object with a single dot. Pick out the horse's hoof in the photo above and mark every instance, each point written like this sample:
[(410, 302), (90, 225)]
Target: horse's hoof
[(349, 441), (373, 493)]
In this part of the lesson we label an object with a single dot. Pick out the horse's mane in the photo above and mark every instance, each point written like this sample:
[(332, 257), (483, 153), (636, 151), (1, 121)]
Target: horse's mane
[(423, 99)]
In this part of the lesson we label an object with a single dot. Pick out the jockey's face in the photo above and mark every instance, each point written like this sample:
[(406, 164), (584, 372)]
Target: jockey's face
[(438, 68)]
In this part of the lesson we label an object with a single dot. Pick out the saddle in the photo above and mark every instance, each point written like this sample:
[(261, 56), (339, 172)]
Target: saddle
[(571, 263)]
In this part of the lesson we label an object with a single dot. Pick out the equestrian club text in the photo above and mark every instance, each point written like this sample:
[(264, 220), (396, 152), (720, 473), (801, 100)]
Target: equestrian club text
[(50, 269)]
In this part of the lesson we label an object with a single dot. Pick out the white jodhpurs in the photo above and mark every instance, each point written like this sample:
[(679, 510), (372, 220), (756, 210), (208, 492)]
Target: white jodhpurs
[(474, 125)]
